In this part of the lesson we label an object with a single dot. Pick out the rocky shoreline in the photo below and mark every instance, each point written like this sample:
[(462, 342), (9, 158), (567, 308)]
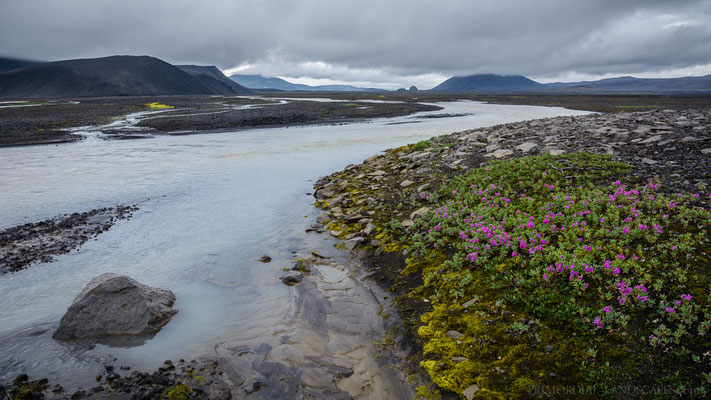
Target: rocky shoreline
[(389, 192), (671, 146)]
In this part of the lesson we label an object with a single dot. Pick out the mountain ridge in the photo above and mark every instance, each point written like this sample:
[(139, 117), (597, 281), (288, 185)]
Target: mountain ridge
[(491, 83), (119, 75)]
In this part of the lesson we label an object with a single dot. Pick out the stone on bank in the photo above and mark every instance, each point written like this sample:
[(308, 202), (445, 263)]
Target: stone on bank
[(116, 305)]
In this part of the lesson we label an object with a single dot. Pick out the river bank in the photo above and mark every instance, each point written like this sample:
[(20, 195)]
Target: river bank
[(393, 206), (62, 121)]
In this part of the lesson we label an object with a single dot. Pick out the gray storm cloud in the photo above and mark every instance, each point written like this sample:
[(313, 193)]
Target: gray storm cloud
[(390, 43)]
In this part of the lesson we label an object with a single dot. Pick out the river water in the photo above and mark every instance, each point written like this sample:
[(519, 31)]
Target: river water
[(210, 206)]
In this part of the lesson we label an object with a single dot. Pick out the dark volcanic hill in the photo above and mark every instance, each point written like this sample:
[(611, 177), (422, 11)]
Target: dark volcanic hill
[(212, 77), (8, 64), (486, 83), (107, 76)]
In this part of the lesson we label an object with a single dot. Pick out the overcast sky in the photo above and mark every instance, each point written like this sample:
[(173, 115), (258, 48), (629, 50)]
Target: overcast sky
[(376, 43)]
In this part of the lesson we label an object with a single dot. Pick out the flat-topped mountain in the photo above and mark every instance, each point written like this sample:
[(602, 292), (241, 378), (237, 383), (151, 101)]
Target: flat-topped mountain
[(106, 76), (486, 83)]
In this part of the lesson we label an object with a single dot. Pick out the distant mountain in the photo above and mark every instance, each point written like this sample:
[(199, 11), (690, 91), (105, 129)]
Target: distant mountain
[(486, 83), (213, 78), (631, 85), (489, 83), (8, 64), (107, 76), (260, 82)]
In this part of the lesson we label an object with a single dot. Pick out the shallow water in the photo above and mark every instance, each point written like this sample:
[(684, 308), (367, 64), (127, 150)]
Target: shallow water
[(210, 206)]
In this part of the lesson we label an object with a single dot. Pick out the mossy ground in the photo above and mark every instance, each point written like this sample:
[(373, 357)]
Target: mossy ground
[(552, 273)]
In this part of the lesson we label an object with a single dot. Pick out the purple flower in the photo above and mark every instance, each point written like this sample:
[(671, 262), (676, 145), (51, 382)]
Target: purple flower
[(669, 310), (607, 309), (686, 297), (597, 322)]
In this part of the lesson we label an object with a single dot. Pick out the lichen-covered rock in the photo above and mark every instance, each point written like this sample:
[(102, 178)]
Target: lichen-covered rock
[(116, 305)]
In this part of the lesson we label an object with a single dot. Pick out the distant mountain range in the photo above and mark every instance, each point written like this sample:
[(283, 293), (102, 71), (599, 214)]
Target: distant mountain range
[(488, 83), (113, 76), (259, 82), (149, 76)]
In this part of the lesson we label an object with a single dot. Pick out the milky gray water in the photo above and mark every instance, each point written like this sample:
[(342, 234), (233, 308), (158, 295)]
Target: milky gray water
[(210, 206)]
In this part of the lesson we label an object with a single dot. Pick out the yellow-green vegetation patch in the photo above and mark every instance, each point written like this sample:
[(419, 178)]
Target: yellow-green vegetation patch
[(546, 272), (421, 145), (158, 106), (178, 392)]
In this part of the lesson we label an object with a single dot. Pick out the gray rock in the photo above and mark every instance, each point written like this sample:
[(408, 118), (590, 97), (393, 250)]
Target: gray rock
[(655, 138), (552, 150), (501, 153), (526, 147), (353, 243), (648, 161), (292, 278), (454, 335), (706, 151), (687, 139), (406, 183), (323, 194), (408, 222), (469, 303), (492, 147), (116, 305), (323, 218), (470, 392), (369, 228), (420, 212)]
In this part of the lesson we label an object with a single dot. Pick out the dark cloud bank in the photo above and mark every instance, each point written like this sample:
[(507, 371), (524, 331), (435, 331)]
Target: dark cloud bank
[(390, 43)]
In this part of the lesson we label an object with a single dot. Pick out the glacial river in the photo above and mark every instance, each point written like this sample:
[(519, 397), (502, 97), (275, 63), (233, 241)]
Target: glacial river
[(210, 206)]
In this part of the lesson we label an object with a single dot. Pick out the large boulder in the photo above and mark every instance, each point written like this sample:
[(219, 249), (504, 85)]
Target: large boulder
[(116, 305)]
